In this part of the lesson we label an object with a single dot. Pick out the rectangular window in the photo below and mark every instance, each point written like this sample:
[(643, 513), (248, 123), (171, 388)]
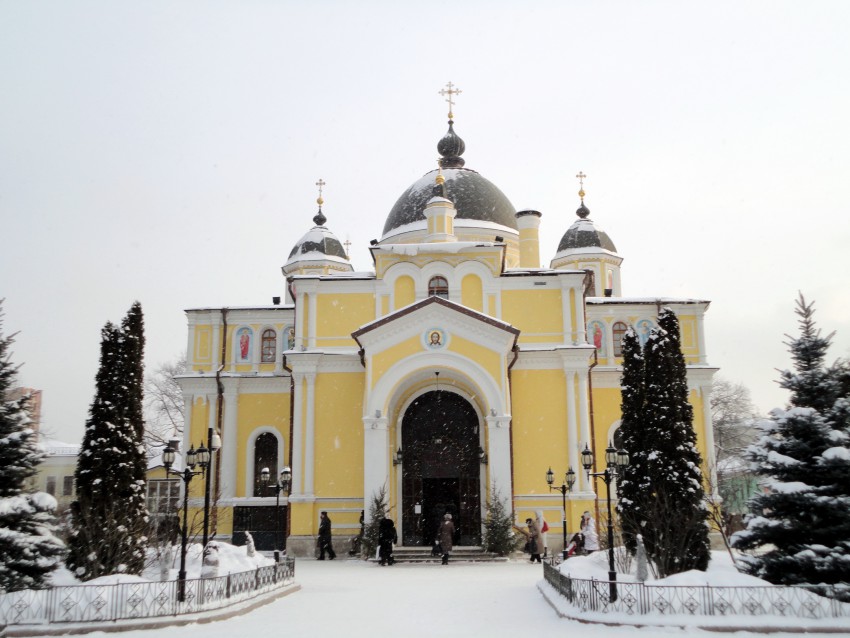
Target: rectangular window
[(67, 485), (51, 485), (163, 496)]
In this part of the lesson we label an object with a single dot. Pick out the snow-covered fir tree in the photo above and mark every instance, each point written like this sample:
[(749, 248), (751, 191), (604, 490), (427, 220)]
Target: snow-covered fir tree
[(803, 455), (377, 512), (633, 482), (663, 485), (29, 548), (109, 520), (499, 536)]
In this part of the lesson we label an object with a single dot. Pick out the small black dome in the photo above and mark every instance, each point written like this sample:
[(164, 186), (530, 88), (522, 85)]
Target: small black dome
[(318, 240), (474, 197), (584, 234)]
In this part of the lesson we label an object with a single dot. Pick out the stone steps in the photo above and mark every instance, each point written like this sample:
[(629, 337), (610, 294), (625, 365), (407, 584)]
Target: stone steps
[(423, 555)]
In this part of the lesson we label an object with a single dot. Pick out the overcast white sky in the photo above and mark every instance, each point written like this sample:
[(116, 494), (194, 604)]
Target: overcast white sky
[(167, 152)]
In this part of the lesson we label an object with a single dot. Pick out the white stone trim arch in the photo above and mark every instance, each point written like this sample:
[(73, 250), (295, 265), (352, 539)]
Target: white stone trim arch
[(420, 367), (249, 457), (612, 429), (473, 267), (396, 271)]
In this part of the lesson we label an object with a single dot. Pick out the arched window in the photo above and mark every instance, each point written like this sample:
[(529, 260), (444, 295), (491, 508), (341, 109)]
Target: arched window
[(269, 346), (265, 455), (617, 331), (438, 287)]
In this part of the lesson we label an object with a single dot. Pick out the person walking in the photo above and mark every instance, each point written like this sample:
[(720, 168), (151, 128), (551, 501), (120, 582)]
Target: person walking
[(325, 540), (387, 536), (447, 533), (533, 540), (543, 526)]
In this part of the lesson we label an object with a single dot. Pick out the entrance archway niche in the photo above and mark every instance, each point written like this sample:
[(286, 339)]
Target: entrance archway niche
[(441, 470)]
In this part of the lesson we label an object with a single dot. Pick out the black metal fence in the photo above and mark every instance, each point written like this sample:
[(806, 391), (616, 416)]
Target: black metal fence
[(798, 601), (103, 603)]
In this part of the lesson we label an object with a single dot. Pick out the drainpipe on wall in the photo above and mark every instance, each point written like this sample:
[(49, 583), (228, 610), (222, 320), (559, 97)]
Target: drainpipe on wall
[(515, 350), (211, 513)]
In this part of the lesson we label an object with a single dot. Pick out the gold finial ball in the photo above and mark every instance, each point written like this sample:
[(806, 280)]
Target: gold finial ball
[(320, 201), (440, 179), (581, 193)]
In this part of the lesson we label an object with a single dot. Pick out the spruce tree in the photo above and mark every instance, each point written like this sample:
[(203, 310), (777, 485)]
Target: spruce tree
[(633, 481), (109, 518), (803, 457), (661, 492), (29, 549)]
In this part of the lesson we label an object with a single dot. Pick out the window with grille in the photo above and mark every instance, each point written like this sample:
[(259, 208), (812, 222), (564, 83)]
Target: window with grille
[(51, 486), (269, 344), (163, 496), (617, 331), (67, 485), (438, 287)]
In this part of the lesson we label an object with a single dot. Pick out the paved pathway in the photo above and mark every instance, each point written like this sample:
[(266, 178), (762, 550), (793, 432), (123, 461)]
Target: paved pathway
[(354, 599)]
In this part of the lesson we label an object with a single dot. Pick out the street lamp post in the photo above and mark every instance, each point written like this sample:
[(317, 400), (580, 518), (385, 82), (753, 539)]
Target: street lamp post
[(566, 486), (282, 485), (615, 461), (200, 457), (214, 443)]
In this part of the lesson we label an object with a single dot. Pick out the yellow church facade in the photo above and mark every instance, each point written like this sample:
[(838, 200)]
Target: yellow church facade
[(457, 370)]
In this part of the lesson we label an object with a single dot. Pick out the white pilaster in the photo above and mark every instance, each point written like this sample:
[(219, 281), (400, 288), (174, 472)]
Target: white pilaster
[(229, 441), (376, 469), (710, 460), (584, 419), (572, 426), (499, 454), (310, 437), (311, 335), (297, 435)]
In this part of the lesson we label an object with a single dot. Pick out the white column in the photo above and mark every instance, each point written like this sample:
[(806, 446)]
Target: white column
[(229, 441), (376, 469), (499, 455), (701, 338), (297, 436), (279, 348), (310, 437)]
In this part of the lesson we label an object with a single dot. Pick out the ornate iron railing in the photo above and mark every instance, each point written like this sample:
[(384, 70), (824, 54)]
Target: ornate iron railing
[(798, 601), (104, 603)]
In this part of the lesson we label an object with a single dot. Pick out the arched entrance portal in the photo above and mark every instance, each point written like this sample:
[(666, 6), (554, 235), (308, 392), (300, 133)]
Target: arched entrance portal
[(441, 471)]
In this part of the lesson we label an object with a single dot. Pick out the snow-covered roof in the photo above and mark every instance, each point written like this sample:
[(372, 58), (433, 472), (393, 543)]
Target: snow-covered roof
[(53, 447)]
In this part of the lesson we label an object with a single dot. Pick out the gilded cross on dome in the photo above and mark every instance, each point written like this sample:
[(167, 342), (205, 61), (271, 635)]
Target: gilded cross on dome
[(580, 178), (450, 90), (321, 183)]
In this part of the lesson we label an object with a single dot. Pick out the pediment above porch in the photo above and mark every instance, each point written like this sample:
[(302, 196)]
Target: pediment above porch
[(435, 325)]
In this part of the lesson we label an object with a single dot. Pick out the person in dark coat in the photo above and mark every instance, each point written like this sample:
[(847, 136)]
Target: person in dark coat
[(387, 536), (325, 541), (447, 532), (533, 540)]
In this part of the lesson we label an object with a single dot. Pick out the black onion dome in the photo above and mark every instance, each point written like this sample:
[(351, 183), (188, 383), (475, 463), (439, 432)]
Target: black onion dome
[(475, 198), (584, 234), (320, 218), (451, 147), (318, 240)]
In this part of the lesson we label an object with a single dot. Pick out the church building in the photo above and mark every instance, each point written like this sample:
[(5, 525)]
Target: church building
[(458, 370)]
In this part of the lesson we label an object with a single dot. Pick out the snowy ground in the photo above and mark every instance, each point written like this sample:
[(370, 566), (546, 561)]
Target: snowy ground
[(352, 598)]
